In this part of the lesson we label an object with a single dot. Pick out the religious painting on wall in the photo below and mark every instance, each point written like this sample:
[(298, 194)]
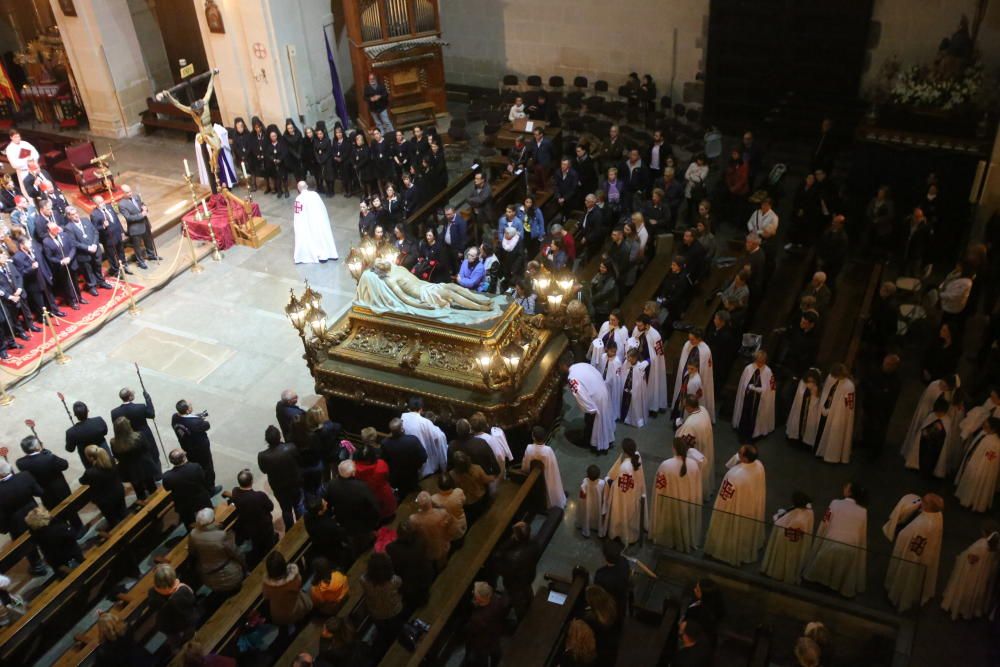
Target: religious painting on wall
[(67, 7), (213, 16)]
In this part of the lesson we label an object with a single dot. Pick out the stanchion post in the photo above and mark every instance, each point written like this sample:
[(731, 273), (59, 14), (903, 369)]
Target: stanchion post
[(5, 398), (61, 358), (133, 307), (195, 266)]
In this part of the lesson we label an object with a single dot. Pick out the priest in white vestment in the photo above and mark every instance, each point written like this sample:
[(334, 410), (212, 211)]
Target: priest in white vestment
[(926, 450), (539, 451), (904, 511), (591, 394), (791, 541), (696, 349), (430, 436), (840, 551), (944, 387), (836, 417), (970, 587), (590, 514), (633, 409), (311, 223), (612, 330), (753, 412), (736, 529), (913, 569), (677, 499), (697, 426), (650, 346), (973, 421), (626, 512), (977, 477), (803, 418)]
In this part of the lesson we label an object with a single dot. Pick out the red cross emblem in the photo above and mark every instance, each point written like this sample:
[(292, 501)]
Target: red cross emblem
[(727, 491), (626, 483), (574, 386), (710, 362), (661, 481), (827, 514), (849, 400), (658, 348), (774, 384), (917, 544), (793, 534), (583, 494), (298, 207), (973, 559), (991, 456), (689, 440)]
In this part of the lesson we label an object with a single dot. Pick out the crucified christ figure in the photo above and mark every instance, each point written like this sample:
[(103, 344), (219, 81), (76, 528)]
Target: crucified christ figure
[(202, 117)]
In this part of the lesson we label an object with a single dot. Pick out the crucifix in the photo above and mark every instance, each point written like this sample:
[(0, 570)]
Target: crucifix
[(200, 113)]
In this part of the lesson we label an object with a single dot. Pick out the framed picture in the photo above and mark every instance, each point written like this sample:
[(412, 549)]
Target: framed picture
[(67, 7), (213, 16)]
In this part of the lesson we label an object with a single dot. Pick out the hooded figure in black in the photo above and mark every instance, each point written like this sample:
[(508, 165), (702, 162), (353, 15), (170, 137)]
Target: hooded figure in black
[(381, 153), (309, 156), (326, 168), (240, 140), (276, 157), (364, 168), (295, 145), (342, 169), (259, 166)]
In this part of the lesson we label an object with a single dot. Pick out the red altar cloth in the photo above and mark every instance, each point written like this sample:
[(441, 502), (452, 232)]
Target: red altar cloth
[(218, 207)]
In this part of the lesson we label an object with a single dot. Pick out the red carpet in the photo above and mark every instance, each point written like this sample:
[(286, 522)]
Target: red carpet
[(75, 324)]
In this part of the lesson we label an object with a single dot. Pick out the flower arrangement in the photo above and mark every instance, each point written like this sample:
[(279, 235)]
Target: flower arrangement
[(922, 86)]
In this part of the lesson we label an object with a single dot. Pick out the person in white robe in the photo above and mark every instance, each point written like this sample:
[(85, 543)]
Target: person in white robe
[(973, 421), (626, 510), (697, 426), (696, 349), (19, 153), (430, 436), (944, 387), (495, 438), (926, 452), (591, 394), (311, 223), (977, 476), (650, 345), (226, 169), (539, 451), (612, 330), (612, 378), (633, 409), (691, 386), (969, 591), (676, 508), (803, 418), (836, 417), (790, 542), (904, 512), (953, 444), (913, 569), (753, 412), (839, 557), (736, 529), (590, 514)]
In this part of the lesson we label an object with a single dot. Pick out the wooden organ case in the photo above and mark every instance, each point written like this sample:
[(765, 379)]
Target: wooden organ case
[(400, 41)]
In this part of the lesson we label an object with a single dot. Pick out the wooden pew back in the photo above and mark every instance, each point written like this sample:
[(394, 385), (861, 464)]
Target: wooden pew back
[(644, 644), (18, 549), (540, 635)]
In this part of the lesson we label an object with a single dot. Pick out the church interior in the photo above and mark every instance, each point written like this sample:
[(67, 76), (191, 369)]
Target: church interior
[(468, 334)]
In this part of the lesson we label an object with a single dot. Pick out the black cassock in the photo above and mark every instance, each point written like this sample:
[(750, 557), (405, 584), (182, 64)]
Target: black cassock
[(932, 439)]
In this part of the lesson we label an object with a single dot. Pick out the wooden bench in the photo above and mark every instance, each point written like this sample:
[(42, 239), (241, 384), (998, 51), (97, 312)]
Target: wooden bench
[(59, 606), (453, 583), (539, 637), (413, 115), (854, 348), (440, 200), (222, 629), (132, 607), (852, 293), (18, 549), (649, 281), (175, 119), (643, 643)]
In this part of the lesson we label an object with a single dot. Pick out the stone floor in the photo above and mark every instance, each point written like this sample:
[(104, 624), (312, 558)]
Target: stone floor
[(220, 339)]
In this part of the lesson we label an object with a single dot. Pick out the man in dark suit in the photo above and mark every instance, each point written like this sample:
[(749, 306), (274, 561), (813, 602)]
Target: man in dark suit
[(139, 232), (17, 498), (354, 506), (112, 232), (192, 434), (24, 215), (585, 169), (60, 253), (255, 524), (614, 576), (405, 456), (477, 449), (590, 232), (187, 485), (137, 416), (37, 277), (656, 156), (86, 431), (635, 176), (37, 182), (281, 465), (89, 255), (410, 195), (43, 217), (15, 298), (47, 469), (287, 409), (455, 235), (567, 187), (545, 157), (481, 201)]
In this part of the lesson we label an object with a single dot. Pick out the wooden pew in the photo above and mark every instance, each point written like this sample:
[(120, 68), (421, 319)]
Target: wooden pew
[(650, 280), (539, 637), (864, 315), (221, 630), (18, 549), (853, 290), (132, 607), (440, 200), (59, 605), (644, 643), (453, 583)]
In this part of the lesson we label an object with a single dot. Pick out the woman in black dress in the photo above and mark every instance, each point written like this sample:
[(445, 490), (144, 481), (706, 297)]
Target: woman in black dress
[(129, 449), (381, 154), (406, 248), (432, 264), (55, 538), (341, 166), (326, 168), (276, 159), (295, 144), (402, 154), (364, 168), (106, 490), (242, 149), (309, 156)]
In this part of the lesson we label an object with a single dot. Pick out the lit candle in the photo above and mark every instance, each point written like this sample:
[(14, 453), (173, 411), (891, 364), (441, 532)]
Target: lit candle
[(187, 169), (204, 207), (245, 174)]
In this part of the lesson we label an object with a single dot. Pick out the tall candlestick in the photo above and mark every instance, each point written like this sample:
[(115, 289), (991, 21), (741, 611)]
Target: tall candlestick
[(187, 169), (204, 207), (245, 174)]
